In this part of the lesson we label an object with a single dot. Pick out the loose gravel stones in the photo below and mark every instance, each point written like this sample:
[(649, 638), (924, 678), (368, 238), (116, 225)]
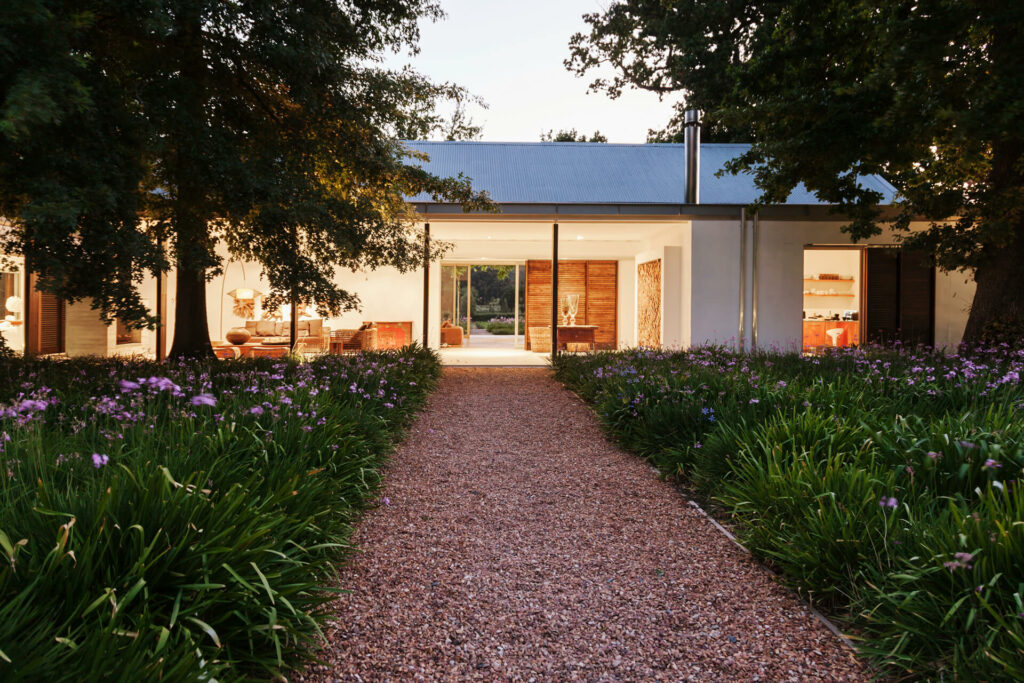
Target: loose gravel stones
[(514, 542)]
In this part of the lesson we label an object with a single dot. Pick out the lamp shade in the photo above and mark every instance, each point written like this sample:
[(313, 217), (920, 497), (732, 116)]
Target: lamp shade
[(13, 304), (244, 293)]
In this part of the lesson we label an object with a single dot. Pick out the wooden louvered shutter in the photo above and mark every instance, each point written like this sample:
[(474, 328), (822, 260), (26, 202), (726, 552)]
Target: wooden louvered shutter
[(572, 279), (602, 300), (882, 295), (51, 323), (538, 296), (917, 298)]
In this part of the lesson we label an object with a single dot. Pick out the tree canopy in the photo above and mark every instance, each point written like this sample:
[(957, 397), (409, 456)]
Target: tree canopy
[(929, 94), (571, 135), (134, 136)]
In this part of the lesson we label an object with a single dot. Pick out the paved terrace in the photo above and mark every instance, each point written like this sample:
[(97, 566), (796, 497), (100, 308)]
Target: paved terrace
[(517, 543)]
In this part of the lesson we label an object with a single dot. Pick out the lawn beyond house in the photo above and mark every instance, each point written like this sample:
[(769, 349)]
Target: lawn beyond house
[(179, 522), (885, 486)]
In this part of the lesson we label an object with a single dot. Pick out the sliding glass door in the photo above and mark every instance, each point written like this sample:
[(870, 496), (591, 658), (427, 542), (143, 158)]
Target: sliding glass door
[(486, 300)]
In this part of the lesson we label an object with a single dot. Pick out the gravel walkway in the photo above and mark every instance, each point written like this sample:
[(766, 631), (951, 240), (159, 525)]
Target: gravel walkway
[(518, 544)]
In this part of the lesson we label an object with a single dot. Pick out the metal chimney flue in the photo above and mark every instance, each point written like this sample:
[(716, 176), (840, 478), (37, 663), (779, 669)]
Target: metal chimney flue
[(691, 128)]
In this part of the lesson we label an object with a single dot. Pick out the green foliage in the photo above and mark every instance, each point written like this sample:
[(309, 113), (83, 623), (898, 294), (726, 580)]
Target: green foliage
[(504, 326), (1003, 329), (571, 135), (927, 94), (885, 486), (205, 547), (271, 127)]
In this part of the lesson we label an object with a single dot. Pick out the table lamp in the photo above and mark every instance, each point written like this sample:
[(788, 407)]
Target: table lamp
[(13, 306)]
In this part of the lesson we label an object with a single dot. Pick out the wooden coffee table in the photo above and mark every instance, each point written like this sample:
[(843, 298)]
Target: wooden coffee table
[(257, 350)]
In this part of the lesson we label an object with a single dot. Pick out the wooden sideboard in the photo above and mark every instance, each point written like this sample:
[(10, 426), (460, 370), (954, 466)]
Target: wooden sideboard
[(815, 333)]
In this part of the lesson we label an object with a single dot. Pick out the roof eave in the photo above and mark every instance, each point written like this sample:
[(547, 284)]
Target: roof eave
[(611, 211)]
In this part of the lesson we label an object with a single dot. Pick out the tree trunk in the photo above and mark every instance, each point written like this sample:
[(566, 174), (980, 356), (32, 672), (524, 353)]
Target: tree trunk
[(191, 329), (192, 235), (997, 313)]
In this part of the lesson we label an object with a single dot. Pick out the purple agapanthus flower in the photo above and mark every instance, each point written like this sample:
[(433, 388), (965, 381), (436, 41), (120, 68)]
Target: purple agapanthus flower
[(959, 561), (991, 464), (31, 406), (888, 502), (204, 400), (99, 460), (162, 384)]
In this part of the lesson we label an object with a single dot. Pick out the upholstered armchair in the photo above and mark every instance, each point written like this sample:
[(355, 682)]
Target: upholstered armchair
[(362, 339), (451, 335)]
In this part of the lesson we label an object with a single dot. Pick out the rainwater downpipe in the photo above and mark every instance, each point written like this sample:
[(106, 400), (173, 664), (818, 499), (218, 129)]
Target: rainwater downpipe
[(743, 280), (753, 303)]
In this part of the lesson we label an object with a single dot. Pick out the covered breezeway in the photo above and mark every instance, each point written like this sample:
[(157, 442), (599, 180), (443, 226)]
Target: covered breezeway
[(597, 261)]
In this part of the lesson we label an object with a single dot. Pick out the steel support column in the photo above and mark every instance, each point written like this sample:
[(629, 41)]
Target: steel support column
[(554, 290), (755, 275), (741, 336), (426, 282), (515, 316)]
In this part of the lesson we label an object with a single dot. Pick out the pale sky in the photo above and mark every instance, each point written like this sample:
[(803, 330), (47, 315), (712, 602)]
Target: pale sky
[(510, 53)]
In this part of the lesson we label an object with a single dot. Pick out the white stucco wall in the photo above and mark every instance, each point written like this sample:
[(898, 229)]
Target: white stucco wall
[(715, 277), (954, 292)]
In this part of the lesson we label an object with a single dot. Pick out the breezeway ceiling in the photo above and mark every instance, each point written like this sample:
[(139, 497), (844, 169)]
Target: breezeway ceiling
[(518, 241), (540, 231)]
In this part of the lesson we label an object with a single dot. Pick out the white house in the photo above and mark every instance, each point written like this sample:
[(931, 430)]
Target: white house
[(648, 257)]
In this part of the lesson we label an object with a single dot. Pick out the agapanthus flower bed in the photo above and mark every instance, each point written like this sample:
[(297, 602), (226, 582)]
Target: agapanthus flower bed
[(887, 486), (183, 521)]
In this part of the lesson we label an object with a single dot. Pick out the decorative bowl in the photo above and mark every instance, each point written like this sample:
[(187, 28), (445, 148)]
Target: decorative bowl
[(238, 335)]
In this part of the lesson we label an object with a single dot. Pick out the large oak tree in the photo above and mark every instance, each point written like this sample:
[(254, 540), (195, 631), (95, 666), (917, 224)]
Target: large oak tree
[(928, 93), (136, 134)]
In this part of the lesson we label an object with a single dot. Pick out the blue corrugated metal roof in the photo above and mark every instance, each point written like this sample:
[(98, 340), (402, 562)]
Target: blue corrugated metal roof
[(598, 173)]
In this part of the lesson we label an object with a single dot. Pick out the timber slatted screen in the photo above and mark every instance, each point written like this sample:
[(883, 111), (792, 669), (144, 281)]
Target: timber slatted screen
[(572, 279), (596, 282), (538, 296), (881, 302), (649, 304), (917, 298), (51, 323), (899, 302), (602, 300)]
